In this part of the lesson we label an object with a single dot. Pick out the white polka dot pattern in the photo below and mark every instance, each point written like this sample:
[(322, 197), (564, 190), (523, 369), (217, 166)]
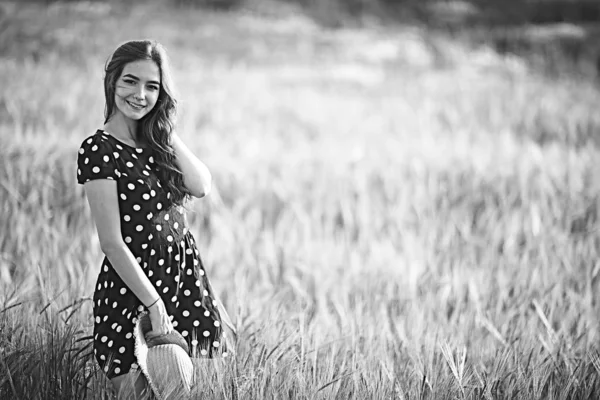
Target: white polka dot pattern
[(155, 230)]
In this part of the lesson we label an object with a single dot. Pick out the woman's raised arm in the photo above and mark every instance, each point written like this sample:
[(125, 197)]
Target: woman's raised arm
[(196, 176)]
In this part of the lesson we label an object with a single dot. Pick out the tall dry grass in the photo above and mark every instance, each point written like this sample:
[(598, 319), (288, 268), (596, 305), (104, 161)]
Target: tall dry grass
[(393, 215)]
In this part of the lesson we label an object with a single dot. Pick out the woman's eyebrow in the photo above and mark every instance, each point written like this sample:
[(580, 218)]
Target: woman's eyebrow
[(137, 79)]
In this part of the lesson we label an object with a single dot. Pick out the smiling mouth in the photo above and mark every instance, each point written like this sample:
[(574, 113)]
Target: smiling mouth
[(134, 106)]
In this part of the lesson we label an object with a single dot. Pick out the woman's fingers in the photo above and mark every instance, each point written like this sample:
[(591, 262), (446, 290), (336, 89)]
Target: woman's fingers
[(162, 330), (161, 323), (167, 325)]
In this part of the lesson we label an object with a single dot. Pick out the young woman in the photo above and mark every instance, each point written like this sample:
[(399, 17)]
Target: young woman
[(136, 174)]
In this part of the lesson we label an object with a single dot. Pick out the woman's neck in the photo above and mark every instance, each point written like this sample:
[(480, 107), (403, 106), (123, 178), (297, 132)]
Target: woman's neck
[(124, 129)]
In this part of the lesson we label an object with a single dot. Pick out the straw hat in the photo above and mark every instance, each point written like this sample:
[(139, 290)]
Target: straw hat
[(164, 360)]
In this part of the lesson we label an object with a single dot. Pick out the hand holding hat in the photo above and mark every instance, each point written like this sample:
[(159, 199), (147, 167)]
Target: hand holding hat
[(159, 318), (164, 360)]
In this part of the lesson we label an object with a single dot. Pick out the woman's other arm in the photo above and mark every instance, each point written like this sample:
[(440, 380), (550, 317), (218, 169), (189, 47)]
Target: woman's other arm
[(196, 176)]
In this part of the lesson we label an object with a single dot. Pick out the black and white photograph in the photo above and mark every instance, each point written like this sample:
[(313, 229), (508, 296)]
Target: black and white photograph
[(299, 199)]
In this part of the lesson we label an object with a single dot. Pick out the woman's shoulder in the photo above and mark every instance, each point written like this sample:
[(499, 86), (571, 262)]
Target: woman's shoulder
[(98, 140), (97, 158), (96, 148)]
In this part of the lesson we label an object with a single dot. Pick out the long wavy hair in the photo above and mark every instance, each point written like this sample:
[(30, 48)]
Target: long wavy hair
[(156, 127)]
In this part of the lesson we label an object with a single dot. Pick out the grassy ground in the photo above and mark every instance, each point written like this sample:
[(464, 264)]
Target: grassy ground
[(395, 214)]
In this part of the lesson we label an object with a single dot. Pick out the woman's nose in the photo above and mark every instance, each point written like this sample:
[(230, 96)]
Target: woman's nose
[(140, 94)]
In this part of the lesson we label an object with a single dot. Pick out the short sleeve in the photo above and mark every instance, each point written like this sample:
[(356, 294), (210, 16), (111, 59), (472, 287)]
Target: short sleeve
[(96, 160)]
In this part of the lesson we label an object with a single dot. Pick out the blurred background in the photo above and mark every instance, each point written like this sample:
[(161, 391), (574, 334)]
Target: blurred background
[(405, 199)]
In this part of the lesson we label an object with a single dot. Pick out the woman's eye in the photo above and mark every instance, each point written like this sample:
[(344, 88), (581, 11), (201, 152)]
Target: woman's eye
[(129, 81), (153, 87)]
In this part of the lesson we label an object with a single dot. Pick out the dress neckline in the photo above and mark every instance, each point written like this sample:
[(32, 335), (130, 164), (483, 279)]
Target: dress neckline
[(121, 142)]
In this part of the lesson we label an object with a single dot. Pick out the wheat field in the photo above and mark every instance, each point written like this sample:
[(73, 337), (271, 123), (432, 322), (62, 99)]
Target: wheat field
[(395, 214)]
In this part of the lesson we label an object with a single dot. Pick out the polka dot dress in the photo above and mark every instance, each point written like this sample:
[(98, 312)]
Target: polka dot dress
[(155, 230)]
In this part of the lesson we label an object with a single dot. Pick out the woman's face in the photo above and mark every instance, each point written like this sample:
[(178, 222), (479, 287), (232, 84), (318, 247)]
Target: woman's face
[(137, 89)]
